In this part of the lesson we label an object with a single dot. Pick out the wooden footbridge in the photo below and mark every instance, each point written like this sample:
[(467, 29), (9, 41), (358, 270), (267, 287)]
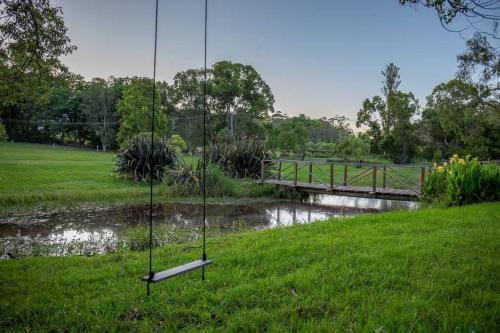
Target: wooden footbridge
[(382, 181)]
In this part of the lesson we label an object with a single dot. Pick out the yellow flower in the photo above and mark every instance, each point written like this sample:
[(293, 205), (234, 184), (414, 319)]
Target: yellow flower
[(440, 169), (435, 165), (450, 172), (445, 165), (453, 158), (461, 161)]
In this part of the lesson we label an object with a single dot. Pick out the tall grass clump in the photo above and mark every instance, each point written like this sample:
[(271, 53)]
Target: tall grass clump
[(137, 238), (134, 161), (239, 159), (186, 179), (462, 181)]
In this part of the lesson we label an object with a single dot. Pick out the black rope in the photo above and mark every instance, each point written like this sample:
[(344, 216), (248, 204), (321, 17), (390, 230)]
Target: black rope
[(204, 255), (151, 159)]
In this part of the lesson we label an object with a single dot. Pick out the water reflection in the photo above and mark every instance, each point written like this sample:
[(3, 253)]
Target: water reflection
[(366, 203), (91, 230)]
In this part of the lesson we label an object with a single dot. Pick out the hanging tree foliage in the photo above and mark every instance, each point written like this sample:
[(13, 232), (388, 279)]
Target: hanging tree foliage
[(32, 39)]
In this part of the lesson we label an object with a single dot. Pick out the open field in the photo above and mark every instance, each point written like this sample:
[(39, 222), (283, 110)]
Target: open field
[(31, 173), (429, 270), (34, 175)]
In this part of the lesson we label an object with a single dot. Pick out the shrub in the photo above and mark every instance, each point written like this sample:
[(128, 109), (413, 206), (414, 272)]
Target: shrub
[(352, 147), (183, 180), (218, 184), (239, 159), (320, 149), (463, 181), (3, 133), (178, 143), (134, 161), (224, 136), (437, 156), (187, 179)]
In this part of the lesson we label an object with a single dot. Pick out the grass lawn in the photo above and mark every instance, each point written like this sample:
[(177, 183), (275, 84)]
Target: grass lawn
[(428, 270), (31, 173), (42, 175)]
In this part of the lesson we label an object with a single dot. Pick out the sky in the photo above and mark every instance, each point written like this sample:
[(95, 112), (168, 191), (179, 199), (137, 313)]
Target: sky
[(321, 58)]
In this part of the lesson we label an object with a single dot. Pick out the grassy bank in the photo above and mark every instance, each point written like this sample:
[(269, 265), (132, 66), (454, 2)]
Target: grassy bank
[(429, 270), (33, 173), (42, 175)]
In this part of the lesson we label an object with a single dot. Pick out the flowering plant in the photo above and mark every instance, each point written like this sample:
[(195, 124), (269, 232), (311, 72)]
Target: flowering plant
[(462, 181)]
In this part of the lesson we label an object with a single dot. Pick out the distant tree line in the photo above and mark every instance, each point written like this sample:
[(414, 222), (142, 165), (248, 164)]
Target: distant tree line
[(108, 112), (42, 101), (461, 116)]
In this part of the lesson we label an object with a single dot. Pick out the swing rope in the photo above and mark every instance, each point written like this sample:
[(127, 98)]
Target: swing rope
[(204, 254), (151, 157), (203, 262)]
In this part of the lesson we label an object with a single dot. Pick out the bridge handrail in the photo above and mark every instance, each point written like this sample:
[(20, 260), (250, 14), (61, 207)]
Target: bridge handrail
[(368, 164), (326, 163), (371, 169), (415, 186)]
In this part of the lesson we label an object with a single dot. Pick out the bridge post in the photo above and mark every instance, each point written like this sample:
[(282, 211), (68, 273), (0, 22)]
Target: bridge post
[(422, 179), (345, 174), (262, 171), (331, 177), (374, 182), (279, 171), (384, 178), (295, 175), (310, 172)]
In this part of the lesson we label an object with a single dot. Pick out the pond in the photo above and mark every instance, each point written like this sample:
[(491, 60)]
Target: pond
[(92, 230)]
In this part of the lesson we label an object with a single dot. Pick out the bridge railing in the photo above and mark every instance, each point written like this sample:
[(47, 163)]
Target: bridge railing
[(334, 175)]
